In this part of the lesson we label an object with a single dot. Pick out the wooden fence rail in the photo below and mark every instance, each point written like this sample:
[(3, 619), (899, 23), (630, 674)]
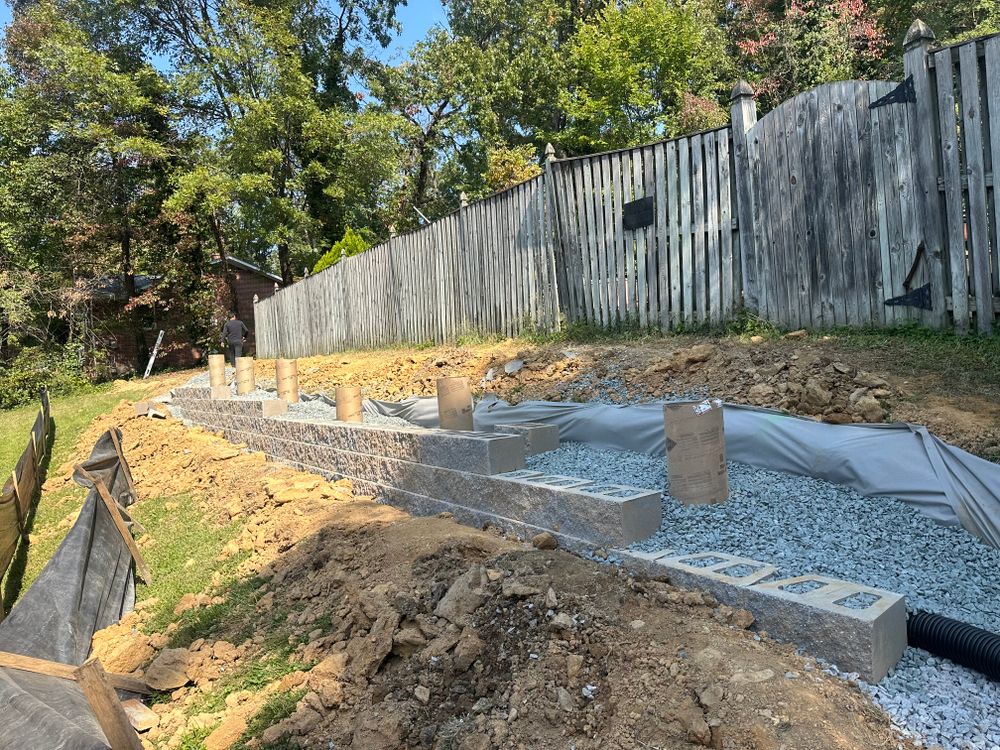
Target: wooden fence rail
[(20, 488), (855, 203)]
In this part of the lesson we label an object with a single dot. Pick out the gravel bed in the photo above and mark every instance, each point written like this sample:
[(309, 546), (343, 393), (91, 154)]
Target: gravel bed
[(808, 526), (317, 409)]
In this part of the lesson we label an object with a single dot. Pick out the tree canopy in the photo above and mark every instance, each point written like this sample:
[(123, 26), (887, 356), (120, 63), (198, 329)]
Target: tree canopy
[(155, 136)]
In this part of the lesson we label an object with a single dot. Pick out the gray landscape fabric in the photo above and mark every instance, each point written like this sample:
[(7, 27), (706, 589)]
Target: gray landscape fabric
[(87, 585), (904, 461)]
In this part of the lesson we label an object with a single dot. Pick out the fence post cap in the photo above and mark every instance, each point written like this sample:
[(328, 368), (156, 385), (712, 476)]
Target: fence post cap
[(550, 152), (919, 32), (464, 199), (741, 90)]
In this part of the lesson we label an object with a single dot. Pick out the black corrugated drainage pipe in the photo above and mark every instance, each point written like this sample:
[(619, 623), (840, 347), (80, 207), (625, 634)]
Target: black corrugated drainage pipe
[(963, 644)]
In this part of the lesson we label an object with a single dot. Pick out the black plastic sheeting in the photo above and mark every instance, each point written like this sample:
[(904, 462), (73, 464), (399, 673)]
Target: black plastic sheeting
[(87, 585), (904, 461)]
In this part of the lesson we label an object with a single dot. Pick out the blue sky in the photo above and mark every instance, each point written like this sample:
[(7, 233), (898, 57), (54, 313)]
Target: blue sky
[(416, 17)]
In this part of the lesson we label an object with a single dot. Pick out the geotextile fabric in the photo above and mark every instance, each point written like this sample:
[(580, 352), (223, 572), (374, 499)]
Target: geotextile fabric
[(900, 460), (87, 585)]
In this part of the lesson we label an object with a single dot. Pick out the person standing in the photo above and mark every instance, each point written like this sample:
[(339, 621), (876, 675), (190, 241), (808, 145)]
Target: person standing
[(234, 333)]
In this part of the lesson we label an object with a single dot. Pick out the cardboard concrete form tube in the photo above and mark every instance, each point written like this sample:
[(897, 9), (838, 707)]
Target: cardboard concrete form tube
[(217, 369), (286, 372), (696, 451), (245, 382), (348, 403), (454, 399)]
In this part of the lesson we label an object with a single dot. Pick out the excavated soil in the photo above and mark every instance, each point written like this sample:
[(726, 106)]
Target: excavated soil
[(815, 376), (419, 632)]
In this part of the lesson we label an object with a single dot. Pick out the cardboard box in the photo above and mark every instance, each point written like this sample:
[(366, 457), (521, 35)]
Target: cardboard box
[(696, 451)]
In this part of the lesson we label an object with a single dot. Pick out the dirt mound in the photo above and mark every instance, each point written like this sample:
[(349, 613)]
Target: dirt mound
[(350, 624), (815, 376)]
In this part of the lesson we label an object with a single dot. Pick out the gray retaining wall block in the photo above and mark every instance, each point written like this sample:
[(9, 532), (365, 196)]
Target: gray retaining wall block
[(579, 511), (858, 628), (538, 436), (476, 452)]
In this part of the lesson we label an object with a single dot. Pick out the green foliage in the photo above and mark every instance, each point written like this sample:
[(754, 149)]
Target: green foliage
[(349, 245), (22, 378), (507, 166), (631, 68)]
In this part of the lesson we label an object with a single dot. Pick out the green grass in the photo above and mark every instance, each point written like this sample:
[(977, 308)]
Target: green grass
[(278, 707), (183, 555)]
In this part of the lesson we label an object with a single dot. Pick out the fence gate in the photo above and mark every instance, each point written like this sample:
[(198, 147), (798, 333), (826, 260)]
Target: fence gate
[(835, 226)]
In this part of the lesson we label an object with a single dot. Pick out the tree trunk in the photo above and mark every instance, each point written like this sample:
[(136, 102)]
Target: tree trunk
[(132, 316), (227, 272)]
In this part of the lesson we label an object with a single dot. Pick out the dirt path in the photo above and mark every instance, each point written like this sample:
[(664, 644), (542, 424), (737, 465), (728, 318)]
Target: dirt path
[(333, 621), (946, 385)]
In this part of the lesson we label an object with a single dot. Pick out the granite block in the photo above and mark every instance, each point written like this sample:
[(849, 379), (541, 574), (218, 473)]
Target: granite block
[(538, 436)]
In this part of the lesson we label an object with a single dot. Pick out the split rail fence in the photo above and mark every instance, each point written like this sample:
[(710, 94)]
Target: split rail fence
[(856, 203), (20, 488)]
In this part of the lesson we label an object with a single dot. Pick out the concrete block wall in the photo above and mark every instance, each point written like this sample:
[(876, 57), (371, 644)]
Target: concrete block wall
[(858, 628), (420, 468)]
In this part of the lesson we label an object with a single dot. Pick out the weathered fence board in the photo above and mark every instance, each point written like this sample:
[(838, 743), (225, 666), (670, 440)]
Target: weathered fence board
[(815, 215)]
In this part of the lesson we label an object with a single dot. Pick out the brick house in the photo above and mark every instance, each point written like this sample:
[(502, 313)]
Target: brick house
[(108, 316)]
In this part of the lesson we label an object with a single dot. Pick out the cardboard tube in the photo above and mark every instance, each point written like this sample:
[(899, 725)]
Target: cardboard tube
[(696, 451), (245, 382), (286, 372), (216, 369), (348, 401), (454, 403)]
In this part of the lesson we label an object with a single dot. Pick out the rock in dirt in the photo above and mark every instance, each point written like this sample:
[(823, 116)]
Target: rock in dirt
[(545, 540), (799, 334), (564, 700), (379, 728), (169, 670), (468, 649), (140, 716), (464, 596), (869, 409), (422, 694)]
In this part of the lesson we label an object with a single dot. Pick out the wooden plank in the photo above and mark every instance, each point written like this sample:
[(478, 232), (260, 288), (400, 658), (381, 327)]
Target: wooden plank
[(587, 201), (951, 172), (662, 238), (834, 208), (762, 148), (649, 189), (631, 307), (608, 240), (687, 253), (852, 189), (568, 226), (618, 250), (992, 66), (726, 214), (714, 260), (140, 563), (698, 227), (873, 240), (674, 226), (124, 464), (103, 701), (796, 186), (68, 672), (912, 232), (641, 258), (881, 174), (778, 249), (583, 245), (979, 246)]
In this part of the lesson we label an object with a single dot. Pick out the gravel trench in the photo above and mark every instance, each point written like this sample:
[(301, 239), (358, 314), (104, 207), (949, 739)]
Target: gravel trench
[(808, 526)]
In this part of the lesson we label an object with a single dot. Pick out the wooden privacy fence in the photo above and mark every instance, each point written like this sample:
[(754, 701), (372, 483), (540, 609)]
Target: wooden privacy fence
[(855, 203), (21, 487), (488, 267)]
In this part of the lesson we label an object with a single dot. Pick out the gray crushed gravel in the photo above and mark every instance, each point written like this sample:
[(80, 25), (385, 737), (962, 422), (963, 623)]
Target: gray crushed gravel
[(317, 409), (808, 526)]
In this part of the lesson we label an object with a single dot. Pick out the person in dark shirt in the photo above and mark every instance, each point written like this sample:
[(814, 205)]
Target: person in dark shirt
[(234, 333)]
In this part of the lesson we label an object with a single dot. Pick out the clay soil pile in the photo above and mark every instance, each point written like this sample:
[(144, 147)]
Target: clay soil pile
[(332, 621)]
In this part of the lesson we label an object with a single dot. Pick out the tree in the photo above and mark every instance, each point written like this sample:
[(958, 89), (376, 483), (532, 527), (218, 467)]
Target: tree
[(785, 49), (85, 148), (507, 166), (349, 245), (632, 68)]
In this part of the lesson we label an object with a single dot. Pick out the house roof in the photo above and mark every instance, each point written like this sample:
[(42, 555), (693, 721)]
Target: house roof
[(247, 266)]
